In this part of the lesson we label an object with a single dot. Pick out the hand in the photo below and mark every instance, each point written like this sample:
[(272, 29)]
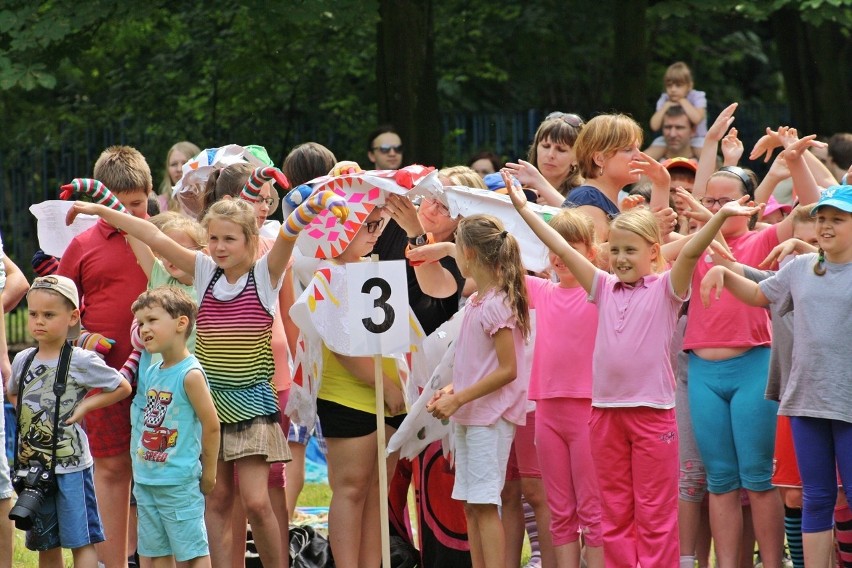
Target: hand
[(779, 169), (394, 400), (732, 148), (345, 167), (740, 208), (403, 211), (80, 411), (443, 404), (208, 482), (720, 251), (666, 219), (94, 342), (795, 150), (631, 202), (721, 124), (782, 138), (713, 280), (428, 253), (79, 207), (694, 210), (783, 250), (516, 194), (652, 169), (524, 172)]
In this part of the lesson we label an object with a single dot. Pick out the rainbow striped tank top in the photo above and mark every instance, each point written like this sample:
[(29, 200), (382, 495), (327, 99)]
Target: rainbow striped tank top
[(233, 345)]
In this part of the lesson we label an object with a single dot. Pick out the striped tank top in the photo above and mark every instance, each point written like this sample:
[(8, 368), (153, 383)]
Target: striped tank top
[(233, 344)]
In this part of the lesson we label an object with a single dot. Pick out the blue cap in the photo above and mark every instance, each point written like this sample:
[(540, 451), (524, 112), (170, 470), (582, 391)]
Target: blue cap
[(495, 181), (839, 196)]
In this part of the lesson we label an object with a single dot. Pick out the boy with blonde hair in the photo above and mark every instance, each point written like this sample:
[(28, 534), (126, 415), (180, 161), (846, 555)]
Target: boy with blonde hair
[(54, 479), (105, 271), (174, 424)]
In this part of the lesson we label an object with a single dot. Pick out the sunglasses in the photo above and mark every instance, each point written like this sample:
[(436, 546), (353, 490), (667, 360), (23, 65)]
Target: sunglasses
[(570, 119), (386, 148), (373, 226)]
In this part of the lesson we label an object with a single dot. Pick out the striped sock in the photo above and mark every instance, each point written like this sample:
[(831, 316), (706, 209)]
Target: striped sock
[(305, 213), (687, 562), (793, 530), (532, 533), (843, 534)]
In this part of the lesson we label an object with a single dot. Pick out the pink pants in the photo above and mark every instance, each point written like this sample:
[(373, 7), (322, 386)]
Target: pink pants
[(635, 455), (570, 480)]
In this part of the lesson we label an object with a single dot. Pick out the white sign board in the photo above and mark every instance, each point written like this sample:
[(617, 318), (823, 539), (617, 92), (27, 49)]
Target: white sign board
[(53, 235), (378, 308)]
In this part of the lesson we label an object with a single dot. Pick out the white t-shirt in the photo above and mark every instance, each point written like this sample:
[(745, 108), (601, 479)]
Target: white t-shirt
[(205, 268)]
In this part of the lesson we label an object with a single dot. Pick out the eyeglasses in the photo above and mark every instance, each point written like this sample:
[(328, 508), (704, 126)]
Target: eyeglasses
[(442, 209), (709, 202), (570, 119), (269, 201), (373, 226), (386, 148)]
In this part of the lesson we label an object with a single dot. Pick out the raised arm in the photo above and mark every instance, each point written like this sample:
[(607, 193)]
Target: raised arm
[(707, 160), (578, 264), (181, 257), (743, 289), (529, 176), (681, 273), (803, 181), (143, 254)]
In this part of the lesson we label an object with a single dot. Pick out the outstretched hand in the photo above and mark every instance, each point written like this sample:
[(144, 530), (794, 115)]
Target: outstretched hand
[(742, 207), (720, 126), (516, 194)]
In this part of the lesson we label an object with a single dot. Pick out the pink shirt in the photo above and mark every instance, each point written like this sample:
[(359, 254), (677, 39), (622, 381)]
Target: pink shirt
[(566, 325), (632, 366), (108, 279), (476, 357), (728, 322)]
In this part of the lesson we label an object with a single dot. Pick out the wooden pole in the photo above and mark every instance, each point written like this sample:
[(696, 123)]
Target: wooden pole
[(381, 446)]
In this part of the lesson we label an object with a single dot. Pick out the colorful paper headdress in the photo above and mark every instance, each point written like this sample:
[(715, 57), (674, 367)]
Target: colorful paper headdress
[(362, 191), (251, 190), (94, 189)]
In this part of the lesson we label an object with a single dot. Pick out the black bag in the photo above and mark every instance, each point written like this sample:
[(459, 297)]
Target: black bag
[(309, 549)]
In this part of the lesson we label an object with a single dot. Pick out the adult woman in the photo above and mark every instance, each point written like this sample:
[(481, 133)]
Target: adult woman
[(178, 155), (552, 167)]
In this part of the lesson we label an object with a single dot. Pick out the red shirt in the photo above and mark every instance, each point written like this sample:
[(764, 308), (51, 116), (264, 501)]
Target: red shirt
[(109, 279)]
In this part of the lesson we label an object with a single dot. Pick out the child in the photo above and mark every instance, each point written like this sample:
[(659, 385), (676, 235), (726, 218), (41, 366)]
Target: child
[(486, 401), (679, 90), (563, 397), (818, 389), (633, 430), (176, 424), (103, 268), (238, 298), (68, 517)]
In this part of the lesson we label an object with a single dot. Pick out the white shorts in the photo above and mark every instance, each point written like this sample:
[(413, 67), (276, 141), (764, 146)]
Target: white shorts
[(482, 453)]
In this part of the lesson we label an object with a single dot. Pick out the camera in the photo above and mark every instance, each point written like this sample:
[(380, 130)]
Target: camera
[(32, 484)]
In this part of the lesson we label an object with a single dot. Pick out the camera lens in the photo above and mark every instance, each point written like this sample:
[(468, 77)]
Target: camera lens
[(27, 505)]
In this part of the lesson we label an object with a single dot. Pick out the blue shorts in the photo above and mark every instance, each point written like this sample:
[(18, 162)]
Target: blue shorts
[(68, 518), (171, 521)]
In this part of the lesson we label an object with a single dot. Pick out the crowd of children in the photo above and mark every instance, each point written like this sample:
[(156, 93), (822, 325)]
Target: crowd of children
[(657, 375)]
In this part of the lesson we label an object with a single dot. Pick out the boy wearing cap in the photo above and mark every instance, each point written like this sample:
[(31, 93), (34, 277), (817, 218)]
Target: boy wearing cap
[(68, 515)]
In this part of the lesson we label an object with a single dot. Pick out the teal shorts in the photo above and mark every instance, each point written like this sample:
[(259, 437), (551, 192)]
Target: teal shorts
[(171, 521)]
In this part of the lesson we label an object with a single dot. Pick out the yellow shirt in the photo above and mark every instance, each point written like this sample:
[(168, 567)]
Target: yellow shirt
[(338, 385)]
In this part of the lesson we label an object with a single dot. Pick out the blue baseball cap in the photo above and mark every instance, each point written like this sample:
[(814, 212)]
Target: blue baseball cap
[(839, 196)]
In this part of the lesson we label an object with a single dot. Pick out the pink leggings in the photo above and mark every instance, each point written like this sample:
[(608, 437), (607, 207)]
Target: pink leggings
[(635, 454), (570, 480)]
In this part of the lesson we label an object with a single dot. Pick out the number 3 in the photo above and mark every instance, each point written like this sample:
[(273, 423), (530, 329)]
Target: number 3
[(381, 303)]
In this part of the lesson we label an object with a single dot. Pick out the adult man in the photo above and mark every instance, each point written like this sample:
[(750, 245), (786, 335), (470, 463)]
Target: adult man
[(384, 148), (839, 158), (678, 132)]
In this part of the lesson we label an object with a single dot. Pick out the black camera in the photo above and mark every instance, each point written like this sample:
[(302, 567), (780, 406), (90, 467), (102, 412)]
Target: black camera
[(32, 485)]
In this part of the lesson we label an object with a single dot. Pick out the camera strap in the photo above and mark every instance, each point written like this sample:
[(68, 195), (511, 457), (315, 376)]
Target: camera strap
[(59, 384)]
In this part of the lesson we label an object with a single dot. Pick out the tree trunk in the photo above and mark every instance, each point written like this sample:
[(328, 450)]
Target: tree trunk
[(630, 60), (405, 73), (815, 64)]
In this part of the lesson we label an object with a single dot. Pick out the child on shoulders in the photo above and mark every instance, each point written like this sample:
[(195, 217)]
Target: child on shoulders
[(680, 90)]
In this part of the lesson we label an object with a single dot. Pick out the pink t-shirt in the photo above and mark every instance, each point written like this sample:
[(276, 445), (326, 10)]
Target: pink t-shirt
[(632, 366), (108, 279), (729, 322), (476, 357), (566, 324)]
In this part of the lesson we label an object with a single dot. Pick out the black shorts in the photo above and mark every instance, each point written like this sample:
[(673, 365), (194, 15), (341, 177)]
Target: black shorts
[(340, 421)]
